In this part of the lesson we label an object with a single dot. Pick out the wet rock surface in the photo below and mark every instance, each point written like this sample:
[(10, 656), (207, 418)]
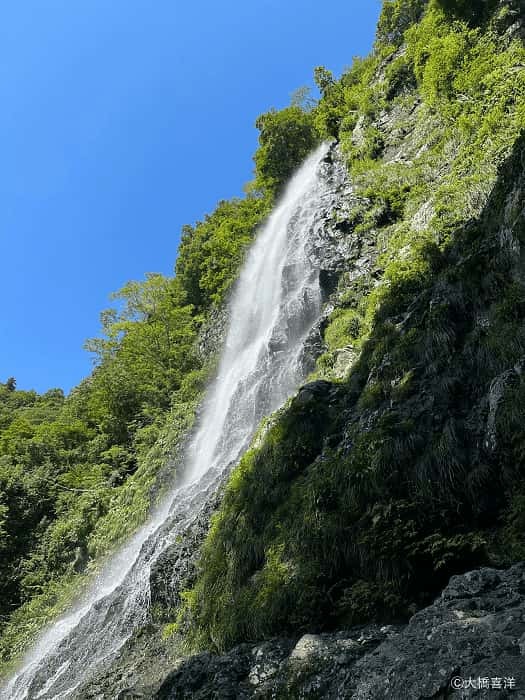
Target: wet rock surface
[(137, 672), (174, 570), (147, 657), (339, 252), (211, 335), (473, 634)]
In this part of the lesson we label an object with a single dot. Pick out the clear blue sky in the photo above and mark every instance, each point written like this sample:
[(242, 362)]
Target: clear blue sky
[(121, 121)]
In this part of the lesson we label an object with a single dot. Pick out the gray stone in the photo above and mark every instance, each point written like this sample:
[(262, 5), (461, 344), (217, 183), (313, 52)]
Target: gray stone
[(475, 629)]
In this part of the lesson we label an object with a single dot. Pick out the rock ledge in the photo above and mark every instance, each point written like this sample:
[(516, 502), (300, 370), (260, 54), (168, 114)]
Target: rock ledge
[(474, 630)]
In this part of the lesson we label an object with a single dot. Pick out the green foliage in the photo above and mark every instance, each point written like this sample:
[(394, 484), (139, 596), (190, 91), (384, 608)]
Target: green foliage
[(396, 17), (473, 11), (345, 100), (210, 252), (302, 98), (324, 79), (343, 329), (327, 114), (438, 51), (146, 352), (286, 138), (80, 474), (28, 621)]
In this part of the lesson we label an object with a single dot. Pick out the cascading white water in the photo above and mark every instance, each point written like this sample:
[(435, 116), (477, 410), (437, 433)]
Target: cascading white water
[(276, 302), (274, 305)]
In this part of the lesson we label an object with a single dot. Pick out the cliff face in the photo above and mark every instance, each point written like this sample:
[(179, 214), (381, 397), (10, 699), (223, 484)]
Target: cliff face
[(405, 465), (475, 628), (401, 463)]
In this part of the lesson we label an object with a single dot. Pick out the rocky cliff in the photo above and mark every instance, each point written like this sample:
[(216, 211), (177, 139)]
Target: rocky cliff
[(401, 464), (396, 476), (405, 466)]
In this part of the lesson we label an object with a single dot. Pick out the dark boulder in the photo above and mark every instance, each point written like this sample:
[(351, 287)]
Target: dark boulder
[(473, 636)]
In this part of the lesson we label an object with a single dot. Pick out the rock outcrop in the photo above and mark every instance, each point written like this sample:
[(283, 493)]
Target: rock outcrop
[(469, 643)]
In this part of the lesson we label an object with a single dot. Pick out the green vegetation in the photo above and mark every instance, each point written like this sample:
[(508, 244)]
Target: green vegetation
[(286, 138), (211, 252), (359, 500), (360, 504), (77, 474)]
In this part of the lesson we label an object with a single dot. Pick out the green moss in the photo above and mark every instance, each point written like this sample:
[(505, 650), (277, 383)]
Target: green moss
[(344, 327)]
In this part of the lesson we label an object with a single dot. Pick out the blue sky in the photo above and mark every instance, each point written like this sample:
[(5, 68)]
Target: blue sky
[(120, 122)]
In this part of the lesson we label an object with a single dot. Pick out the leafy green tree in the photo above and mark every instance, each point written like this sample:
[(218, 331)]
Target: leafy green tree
[(286, 137), (473, 11), (145, 351), (211, 251), (331, 108), (324, 79), (302, 98)]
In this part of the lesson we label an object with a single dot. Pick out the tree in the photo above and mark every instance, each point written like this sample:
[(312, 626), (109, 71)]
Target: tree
[(210, 252), (324, 79), (331, 106), (302, 98), (396, 17), (286, 137)]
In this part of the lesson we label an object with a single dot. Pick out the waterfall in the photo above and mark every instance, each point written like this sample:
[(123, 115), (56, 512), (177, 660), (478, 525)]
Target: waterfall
[(276, 301), (273, 308)]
